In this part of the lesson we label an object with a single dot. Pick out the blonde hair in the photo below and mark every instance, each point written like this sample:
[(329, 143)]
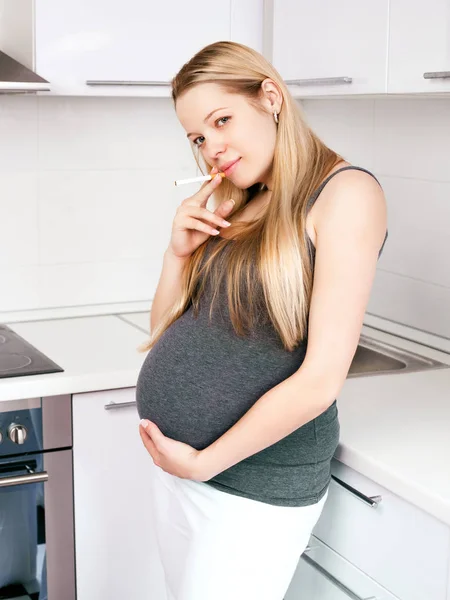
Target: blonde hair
[(275, 242)]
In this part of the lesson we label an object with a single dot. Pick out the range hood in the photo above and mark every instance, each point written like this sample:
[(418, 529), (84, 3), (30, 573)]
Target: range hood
[(15, 78)]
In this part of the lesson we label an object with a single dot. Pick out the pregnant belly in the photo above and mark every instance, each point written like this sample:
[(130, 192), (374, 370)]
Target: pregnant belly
[(185, 406), (198, 380)]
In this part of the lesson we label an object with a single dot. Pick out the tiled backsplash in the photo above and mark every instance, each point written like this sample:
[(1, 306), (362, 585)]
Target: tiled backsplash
[(88, 198), (405, 142)]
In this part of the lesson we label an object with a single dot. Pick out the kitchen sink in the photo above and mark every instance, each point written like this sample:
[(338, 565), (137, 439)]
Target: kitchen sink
[(378, 358)]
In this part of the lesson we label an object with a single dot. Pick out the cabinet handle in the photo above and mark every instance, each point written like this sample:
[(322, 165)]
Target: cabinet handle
[(372, 501), (131, 83), (24, 90), (332, 578), (319, 81), (117, 405), (437, 75)]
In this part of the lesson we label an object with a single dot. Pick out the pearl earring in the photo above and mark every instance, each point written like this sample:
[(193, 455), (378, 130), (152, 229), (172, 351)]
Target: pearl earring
[(275, 116)]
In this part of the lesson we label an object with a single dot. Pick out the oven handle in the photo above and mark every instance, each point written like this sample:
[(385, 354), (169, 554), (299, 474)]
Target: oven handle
[(24, 479)]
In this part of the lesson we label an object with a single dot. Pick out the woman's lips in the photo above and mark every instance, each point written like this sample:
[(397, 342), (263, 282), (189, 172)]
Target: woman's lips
[(231, 168)]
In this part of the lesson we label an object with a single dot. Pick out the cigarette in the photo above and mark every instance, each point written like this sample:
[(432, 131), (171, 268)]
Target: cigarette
[(198, 179)]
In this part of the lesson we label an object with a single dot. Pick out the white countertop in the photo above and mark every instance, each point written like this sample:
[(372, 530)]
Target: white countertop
[(394, 428), (96, 353)]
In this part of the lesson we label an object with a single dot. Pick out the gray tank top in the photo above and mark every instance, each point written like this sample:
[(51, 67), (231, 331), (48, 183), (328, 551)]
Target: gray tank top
[(200, 378)]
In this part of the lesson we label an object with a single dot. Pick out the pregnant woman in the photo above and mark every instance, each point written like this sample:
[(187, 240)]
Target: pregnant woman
[(254, 325)]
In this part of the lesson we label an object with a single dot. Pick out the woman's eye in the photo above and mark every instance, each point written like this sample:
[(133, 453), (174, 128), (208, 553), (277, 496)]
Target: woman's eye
[(196, 142), (221, 119)]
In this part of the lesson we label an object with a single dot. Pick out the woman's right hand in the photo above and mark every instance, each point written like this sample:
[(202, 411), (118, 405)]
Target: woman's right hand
[(194, 223)]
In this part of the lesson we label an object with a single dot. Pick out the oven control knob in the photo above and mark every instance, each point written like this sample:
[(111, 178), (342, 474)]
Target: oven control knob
[(17, 433)]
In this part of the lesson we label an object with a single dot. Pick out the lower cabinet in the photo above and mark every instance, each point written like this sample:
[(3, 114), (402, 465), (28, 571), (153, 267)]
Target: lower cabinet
[(116, 550), (322, 574), (371, 544)]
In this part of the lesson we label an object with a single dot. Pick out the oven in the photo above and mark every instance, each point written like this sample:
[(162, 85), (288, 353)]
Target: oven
[(37, 558)]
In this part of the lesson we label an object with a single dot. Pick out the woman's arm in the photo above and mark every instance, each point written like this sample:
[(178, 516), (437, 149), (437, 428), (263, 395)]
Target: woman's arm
[(169, 287), (351, 224)]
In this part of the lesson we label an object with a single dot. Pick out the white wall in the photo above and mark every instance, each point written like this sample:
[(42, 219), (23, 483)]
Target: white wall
[(87, 197), (406, 144)]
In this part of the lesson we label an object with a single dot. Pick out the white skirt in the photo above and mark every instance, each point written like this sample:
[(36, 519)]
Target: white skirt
[(217, 546)]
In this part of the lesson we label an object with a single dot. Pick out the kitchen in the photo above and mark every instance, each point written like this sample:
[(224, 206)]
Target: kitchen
[(87, 170)]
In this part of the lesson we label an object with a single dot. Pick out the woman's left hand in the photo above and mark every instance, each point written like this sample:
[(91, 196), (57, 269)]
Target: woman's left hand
[(172, 456)]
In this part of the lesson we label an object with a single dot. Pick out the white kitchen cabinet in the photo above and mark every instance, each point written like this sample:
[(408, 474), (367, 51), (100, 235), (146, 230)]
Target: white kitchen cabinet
[(322, 574), (331, 48), (402, 548), (99, 47), (419, 44), (116, 549)]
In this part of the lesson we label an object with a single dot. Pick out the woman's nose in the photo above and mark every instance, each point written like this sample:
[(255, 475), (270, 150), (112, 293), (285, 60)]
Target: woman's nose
[(216, 146)]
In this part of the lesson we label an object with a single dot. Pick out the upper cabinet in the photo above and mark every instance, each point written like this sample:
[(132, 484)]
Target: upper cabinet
[(321, 48), (129, 48), (353, 47), (419, 46), (331, 48)]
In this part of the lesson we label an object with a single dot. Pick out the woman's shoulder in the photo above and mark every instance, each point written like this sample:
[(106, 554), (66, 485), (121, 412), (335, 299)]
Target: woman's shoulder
[(347, 194), (345, 179)]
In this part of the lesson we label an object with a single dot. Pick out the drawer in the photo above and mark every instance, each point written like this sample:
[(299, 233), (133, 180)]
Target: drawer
[(322, 574), (401, 547)]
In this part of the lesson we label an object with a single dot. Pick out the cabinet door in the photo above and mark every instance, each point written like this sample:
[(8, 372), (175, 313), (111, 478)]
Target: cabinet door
[(419, 46), (400, 546), (132, 43), (324, 575), (134, 48), (116, 549), (333, 48)]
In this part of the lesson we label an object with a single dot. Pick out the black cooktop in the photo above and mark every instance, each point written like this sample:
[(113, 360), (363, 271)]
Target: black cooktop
[(18, 357)]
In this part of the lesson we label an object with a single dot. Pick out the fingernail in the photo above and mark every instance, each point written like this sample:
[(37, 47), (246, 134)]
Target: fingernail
[(231, 200), (144, 423), (214, 170)]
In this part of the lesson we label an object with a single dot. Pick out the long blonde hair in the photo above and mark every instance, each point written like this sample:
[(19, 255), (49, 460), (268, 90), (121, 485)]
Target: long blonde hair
[(275, 242)]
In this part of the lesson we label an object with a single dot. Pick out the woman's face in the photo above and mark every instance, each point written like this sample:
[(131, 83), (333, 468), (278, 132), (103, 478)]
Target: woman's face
[(227, 128)]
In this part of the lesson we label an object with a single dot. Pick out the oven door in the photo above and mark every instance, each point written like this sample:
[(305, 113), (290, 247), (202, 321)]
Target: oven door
[(36, 527)]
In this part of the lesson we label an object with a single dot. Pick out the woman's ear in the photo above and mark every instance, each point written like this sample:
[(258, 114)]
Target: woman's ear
[(271, 95)]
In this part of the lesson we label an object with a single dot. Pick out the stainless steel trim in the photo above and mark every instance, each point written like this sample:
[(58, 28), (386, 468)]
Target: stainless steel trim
[(57, 421), (13, 405), (437, 75), (372, 501), (332, 578), (117, 405), (24, 479), (319, 81), (100, 82), (59, 525)]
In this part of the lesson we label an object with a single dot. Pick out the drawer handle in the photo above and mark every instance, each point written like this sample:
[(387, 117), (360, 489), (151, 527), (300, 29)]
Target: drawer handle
[(131, 83), (332, 578), (319, 81), (117, 405), (372, 501), (437, 75)]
